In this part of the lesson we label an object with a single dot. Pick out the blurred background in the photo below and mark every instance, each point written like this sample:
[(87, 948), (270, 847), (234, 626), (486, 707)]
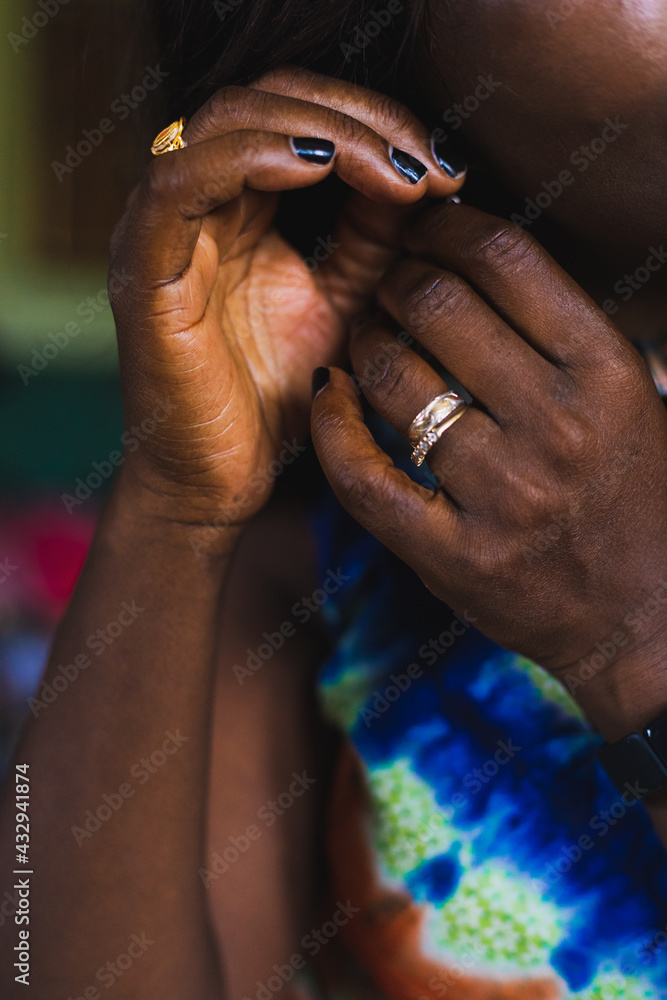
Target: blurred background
[(77, 99)]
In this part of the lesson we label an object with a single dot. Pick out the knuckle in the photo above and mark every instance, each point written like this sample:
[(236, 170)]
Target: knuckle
[(530, 495), (497, 244), (573, 436), (284, 78), (348, 129), (362, 496), (623, 371), (431, 295), (246, 144), (384, 372), (391, 113), (212, 114)]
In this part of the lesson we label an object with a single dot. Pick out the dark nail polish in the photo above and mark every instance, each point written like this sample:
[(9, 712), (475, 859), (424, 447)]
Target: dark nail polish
[(408, 166), (450, 161), (321, 378), (314, 150)]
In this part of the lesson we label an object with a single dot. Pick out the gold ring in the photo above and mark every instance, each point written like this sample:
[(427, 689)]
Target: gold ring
[(432, 422), (169, 138)]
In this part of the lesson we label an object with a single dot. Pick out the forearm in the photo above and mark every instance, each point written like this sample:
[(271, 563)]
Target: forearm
[(134, 726), (267, 731)]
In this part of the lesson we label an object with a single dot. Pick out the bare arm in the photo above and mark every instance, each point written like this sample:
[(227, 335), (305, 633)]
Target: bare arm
[(271, 756), (120, 781), (131, 733)]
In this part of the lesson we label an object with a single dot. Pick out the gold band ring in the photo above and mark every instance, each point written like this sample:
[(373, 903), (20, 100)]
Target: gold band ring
[(169, 138), (432, 422)]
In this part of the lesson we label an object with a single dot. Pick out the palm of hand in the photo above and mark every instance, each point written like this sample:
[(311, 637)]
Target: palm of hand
[(248, 325)]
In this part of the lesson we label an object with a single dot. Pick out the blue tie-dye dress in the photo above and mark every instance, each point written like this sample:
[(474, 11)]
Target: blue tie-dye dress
[(486, 851)]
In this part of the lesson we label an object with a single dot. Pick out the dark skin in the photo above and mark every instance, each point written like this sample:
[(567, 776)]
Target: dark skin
[(564, 397)]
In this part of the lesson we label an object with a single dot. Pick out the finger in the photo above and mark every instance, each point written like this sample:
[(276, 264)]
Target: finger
[(382, 498), (520, 280), (365, 160), (395, 381), (497, 367), (181, 187), (383, 114), (368, 238), (399, 384)]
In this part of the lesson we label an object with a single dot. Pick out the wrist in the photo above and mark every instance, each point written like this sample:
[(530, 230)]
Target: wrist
[(621, 691), (137, 513)]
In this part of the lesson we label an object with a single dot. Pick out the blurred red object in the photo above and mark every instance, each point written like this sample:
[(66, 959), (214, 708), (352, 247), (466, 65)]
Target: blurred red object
[(42, 551)]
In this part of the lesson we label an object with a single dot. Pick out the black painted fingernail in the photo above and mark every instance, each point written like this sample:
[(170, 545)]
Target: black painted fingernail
[(450, 161), (313, 150), (321, 378), (408, 166)]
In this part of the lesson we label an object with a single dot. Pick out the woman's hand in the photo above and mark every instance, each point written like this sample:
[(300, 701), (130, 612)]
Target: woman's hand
[(217, 315), (549, 524)]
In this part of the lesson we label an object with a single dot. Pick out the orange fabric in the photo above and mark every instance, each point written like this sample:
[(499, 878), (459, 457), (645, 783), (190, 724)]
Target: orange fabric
[(385, 937)]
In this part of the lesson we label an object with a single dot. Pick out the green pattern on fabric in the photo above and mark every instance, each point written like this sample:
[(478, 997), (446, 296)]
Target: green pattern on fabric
[(494, 912), (550, 689), (409, 826), (615, 986), (343, 700), (497, 917)]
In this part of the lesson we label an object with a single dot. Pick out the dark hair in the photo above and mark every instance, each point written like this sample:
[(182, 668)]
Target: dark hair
[(206, 44)]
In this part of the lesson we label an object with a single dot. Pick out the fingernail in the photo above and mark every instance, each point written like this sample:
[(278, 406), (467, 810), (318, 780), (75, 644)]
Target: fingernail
[(408, 166), (319, 151), (321, 378), (452, 163)]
